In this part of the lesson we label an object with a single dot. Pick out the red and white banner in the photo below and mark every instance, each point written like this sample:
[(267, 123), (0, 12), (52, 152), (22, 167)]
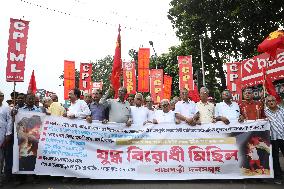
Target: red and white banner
[(164, 151), (97, 85), (185, 72), (234, 80), (167, 87), (143, 69), (156, 82), (252, 68), (129, 77), (85, 77), (17, 44), (69, 77)]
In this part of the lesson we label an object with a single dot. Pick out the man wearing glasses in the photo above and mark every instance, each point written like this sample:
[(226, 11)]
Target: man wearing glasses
[(165, 115), (139, 115), (205, 108), (251, 109), (185, 109)]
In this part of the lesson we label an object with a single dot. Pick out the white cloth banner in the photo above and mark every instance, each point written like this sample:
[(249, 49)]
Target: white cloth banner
[(57, 146)]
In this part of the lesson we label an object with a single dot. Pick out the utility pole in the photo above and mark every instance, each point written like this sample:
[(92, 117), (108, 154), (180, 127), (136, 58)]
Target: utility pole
[(202, 62), (155, 54)]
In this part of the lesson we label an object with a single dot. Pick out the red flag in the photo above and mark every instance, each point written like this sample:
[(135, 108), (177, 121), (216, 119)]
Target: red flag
[(194, 94), (268, 86), (116, 68), (274, 41), (32, 84)]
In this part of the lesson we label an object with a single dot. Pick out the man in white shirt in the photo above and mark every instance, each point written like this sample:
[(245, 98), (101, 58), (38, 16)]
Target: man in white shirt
[(227, 111), (149, 105), (185, 109), (165, 115), (139, 114), (5, 129), (78, 108)]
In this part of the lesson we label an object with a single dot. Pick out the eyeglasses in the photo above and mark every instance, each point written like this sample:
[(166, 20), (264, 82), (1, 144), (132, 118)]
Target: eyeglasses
[(138, 98), (1, 95)]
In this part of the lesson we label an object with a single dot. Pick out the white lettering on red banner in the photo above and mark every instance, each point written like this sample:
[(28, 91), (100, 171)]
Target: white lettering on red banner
[(234, 80), (17, 44)]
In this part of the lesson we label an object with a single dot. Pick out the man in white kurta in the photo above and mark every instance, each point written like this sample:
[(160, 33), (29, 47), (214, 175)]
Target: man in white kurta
[(185, 109), (5, 127), (139, 115)]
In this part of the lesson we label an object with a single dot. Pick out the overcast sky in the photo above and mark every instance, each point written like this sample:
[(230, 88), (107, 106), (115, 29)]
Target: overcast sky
[(54, 37)]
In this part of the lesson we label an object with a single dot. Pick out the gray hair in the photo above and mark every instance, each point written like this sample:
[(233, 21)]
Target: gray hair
[(139, 94), (164, 101), (204, 89)]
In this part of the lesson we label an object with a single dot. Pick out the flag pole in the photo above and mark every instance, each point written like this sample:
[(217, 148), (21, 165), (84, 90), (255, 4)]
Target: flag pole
[(14, 91)]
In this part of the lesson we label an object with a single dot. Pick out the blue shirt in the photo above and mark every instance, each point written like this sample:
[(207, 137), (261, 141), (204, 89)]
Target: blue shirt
[(98, 111), (33, 109)]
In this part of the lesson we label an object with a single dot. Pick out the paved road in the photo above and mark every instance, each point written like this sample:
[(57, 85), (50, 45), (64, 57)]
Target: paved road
[(55, 183)]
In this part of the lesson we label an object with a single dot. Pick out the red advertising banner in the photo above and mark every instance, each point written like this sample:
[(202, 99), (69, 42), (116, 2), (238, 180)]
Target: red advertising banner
[(129, 77), (185, 72), (143, 80), (234, 80), (252, 68), (143, 58), (69, 77), (17, 44), (167, 87), (156, 80), (85, 77), (143, 69)]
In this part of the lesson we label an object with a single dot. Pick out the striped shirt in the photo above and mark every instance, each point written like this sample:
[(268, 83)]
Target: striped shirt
[(276, 120)]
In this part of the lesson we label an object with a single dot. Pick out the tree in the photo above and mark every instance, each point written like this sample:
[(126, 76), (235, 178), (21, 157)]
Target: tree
[(101, 70), (229, 29)]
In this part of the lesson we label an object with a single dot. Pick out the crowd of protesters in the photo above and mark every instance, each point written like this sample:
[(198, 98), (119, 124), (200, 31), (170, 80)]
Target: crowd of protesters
[(135, 110)]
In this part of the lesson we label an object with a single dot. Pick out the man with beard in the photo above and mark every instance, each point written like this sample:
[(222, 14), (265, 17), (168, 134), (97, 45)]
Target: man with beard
[(139, 114)]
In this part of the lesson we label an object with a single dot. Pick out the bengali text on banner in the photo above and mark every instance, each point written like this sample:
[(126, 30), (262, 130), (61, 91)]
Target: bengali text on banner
[(57, 146)]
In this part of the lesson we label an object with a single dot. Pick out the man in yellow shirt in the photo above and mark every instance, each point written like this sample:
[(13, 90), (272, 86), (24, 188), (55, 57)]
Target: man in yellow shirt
[(55, 107)]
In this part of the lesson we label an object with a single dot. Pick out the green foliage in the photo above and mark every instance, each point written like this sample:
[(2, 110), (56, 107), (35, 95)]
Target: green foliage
[(229, 29)]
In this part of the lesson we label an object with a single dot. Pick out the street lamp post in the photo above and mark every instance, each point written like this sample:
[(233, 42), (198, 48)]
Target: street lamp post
[(202, 62), (155, 54)]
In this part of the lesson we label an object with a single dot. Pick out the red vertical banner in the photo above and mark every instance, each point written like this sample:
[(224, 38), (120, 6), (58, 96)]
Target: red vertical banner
[(234, 80), (143, 69), (69, 77), (185, 72), (167, 87), (17, 44), (156, 83), (85, 77), (129, 77)]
